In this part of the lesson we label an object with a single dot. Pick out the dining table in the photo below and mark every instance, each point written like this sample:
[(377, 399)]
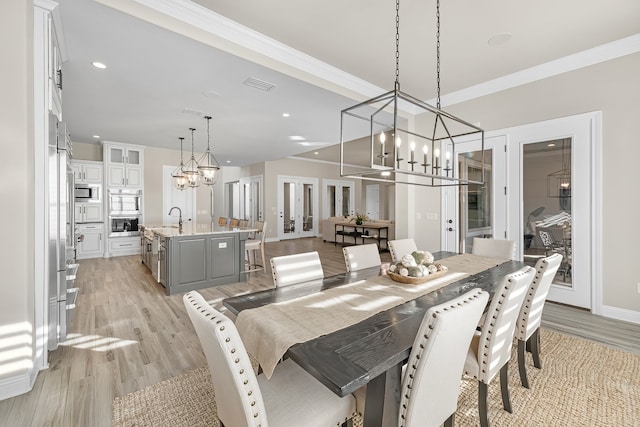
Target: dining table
[(370, 351)]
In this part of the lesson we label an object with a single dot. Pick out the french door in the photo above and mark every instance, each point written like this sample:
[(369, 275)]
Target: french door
[(251, 198), (476, 210), (297, 207), (339, 198), (570, 201), (510, 204)]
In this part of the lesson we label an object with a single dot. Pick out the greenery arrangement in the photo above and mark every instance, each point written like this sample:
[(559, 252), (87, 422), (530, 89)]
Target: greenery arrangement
[(359, 218), (416, 264)]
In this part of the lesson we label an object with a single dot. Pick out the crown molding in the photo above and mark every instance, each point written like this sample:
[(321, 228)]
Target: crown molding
[(207, 20), (606, 52)]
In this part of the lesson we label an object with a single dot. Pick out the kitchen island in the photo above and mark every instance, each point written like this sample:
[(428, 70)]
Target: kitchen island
[(198, 256)]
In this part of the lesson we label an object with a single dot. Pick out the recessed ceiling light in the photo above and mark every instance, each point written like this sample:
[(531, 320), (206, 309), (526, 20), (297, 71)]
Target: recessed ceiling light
[(499, 39), (96, 136), (551, 145), (210, 93), (296, 138), (99, 65), (286, 115)]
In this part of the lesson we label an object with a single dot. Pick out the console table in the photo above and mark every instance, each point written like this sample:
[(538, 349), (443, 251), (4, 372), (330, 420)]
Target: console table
[(377, 233)]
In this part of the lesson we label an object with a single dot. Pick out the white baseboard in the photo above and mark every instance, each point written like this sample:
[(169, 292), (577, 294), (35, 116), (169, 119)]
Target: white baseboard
[(621, 314), (17, 385)]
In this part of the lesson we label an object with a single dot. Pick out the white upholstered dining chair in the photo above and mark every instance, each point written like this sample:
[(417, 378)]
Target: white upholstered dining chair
[(494, 248), (361, 256), (530, 317), (291, 397), (256, 244), (401, 247), (490, 348), (297, 268), (431, 381)]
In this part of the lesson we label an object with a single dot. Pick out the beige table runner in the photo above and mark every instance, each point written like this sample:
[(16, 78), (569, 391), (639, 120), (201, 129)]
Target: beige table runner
[(267, 332)]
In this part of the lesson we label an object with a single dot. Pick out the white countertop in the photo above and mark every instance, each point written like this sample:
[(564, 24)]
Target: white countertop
[(190, 229)]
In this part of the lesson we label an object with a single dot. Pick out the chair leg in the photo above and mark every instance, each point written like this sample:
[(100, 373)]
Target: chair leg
[(522, 363), (482, 404), (450, 422), (504, 388), (535, 348)]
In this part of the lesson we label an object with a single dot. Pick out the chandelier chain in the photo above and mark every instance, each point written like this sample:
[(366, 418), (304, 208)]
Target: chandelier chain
[(397, 85), (181, 158), (438, 53)]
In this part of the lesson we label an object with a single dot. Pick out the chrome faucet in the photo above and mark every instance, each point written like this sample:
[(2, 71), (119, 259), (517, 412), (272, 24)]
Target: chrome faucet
[(180, 219)]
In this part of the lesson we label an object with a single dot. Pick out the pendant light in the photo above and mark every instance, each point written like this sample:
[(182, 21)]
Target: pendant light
[(559, 182), (179, 178), (190, 169), (208, 163), (365, 125)]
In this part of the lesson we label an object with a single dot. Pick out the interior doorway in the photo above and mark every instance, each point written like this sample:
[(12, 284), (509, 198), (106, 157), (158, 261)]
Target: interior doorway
[(297, 207)]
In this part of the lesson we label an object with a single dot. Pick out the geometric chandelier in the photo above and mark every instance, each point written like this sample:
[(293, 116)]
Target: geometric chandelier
[(376, 144)]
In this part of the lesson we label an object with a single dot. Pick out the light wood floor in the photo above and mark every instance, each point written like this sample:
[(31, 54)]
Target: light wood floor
[(127, 334)]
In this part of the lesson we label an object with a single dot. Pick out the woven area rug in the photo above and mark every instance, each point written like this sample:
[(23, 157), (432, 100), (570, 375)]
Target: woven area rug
[(581, 384)]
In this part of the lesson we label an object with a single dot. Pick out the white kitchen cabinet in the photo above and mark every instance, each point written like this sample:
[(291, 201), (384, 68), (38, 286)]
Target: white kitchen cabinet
[(87, 172), (90, 244), (124, 165), (88, 212)]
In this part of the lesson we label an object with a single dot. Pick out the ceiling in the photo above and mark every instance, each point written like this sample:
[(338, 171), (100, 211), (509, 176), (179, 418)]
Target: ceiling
[(158, 82)]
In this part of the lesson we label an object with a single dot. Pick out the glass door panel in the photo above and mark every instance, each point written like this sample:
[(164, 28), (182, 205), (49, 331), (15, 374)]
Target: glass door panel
[(297, 203), (546, 194), (475, 218)]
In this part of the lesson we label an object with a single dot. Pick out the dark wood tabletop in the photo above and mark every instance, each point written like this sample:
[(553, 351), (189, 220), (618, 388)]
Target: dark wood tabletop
[(347, 359)]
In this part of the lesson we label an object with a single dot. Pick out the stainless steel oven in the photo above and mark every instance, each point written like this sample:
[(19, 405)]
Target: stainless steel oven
[(125, 202), (124, 226)]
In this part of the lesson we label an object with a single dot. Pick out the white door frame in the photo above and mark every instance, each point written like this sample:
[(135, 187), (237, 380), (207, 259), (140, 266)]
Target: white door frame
[(243, 209), (338, 184), (586, 194), (299, 182), (586, 133), (450, 240)]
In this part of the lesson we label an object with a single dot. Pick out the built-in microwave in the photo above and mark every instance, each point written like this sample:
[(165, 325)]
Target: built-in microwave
[(124, 226), (84, 193)]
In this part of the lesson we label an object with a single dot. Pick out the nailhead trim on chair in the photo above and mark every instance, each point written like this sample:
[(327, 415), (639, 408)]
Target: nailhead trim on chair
[(412, 371), (233, 349), (530, 293)]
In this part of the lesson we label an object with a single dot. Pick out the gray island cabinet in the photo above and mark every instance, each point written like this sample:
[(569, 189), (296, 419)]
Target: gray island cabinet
[(200, 256)]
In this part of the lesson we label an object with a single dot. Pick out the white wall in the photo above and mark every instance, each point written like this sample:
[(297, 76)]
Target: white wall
[(17, 184)]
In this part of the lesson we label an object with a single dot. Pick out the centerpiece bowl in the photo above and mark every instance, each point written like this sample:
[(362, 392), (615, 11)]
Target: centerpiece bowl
[(416, 268)]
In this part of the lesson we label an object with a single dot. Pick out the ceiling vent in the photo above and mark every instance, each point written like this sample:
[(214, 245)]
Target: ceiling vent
[(192, 112), (259, 84)]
